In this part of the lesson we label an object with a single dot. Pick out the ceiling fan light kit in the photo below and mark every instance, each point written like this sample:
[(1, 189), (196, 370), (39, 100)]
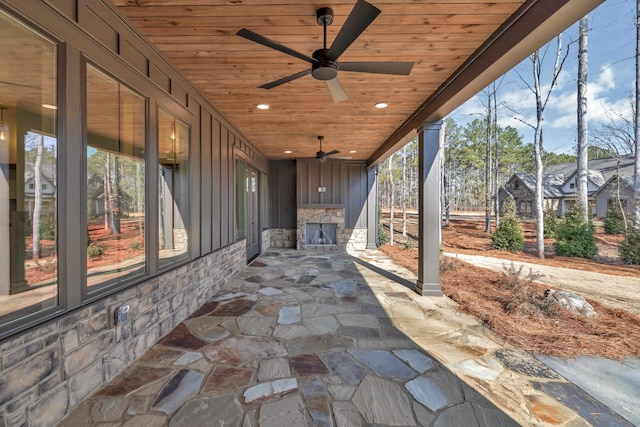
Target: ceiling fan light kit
[(324, 62)]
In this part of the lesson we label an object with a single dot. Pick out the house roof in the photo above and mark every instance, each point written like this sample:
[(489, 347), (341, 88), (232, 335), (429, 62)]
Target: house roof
[(552, 183), (626, 181), (606, 166), (48, 170), (458, 48)]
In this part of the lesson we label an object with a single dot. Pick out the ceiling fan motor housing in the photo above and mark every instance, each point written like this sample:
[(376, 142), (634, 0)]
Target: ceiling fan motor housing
[(323, 69)]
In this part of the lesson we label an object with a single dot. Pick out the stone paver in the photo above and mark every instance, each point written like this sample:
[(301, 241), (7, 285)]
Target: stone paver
[(303, 338)]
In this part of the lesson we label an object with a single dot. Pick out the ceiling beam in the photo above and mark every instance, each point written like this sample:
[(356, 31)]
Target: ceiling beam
[(530, 27)]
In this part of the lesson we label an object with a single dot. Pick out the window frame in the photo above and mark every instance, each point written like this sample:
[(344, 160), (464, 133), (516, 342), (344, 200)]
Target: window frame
[(35, 317), (90, 295), (185, 116)]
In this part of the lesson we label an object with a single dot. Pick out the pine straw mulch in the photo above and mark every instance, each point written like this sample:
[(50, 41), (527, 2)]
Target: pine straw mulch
[(613, 334)]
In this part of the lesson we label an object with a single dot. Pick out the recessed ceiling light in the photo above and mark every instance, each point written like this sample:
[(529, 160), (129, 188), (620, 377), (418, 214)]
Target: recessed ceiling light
[(382, 105), (263, 106), (352, 151), (288, 151), (50, 106)]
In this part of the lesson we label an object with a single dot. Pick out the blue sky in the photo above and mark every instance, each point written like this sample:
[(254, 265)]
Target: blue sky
[(611, 48)]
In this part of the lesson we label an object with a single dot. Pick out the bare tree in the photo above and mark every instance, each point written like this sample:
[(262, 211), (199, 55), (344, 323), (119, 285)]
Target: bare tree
[(616, 134), (404, 191), (392, 201), (542, 96), (37, 204), (636, 168), (583, 142), (487, 166), (497, 159)]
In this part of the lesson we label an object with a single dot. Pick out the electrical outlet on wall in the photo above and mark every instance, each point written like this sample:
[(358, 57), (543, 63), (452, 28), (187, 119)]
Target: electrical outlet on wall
[(121, 314)]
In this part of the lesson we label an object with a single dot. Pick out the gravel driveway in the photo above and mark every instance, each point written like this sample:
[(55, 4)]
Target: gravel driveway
[(615, 291)]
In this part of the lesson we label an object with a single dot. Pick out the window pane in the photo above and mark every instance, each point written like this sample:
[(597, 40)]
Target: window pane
[(28, 172), (173, 185), (115, 181), (240, 192)]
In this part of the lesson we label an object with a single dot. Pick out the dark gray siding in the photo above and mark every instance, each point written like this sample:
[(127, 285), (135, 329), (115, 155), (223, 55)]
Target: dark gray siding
[(358, 189), (282, 194)]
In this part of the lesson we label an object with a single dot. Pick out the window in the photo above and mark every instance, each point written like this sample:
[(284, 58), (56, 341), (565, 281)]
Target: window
[(28, 157), (572, 185), (115, 181), (241, 182), (173, 186)]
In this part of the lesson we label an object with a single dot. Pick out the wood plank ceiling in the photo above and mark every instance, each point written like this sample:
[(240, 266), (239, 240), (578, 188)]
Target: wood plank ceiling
[(199, 37)]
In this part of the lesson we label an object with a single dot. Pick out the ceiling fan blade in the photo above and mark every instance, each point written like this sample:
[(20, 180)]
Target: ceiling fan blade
[(361, 16), (285, 79), (394, 68), (331, 153), (255, 37), (337, 91)]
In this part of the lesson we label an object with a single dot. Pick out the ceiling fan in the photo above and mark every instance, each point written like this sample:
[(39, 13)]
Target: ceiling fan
[(324, 65), (322, 156)]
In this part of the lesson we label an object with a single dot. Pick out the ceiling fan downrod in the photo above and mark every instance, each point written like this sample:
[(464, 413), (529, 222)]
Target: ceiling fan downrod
[(323, 68)]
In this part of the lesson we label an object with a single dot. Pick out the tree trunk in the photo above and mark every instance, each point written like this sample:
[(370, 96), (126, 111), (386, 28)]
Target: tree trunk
[(37, 204), (497, 170), (391, 200), (583, 143), (636, 168), (487, 170), (537, 147), (618, 200), (404, 191)]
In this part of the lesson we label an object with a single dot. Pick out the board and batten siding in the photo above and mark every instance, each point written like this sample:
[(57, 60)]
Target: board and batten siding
[(53, 360)]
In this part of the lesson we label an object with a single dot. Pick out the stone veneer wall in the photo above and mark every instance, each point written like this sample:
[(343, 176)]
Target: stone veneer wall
[(48, 370), (266, 240), (322, 216), (357, 239), (282, 238)]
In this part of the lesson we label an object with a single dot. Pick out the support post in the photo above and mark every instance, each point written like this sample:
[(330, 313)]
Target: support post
[(429, 216), (372, 208)]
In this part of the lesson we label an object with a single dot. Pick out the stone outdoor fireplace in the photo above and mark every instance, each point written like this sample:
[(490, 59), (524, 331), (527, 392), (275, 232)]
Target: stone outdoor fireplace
[(321, 229)]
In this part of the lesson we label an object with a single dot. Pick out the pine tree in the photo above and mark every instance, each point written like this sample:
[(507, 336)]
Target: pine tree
[(509, 235)]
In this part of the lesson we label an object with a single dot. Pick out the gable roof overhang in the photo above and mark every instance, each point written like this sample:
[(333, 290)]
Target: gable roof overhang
[(458, 47)]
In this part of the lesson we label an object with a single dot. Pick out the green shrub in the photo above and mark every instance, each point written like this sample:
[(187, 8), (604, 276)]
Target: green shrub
[(383, 236), (407, 244), (94, 250), (509, 235), (550, 222), (629, 249), (135, 245), (575, 237), (614, 221), (47, 229)]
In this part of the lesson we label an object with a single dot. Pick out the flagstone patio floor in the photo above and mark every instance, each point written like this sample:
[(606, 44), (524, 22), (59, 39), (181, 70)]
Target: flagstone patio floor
[(303, 338)]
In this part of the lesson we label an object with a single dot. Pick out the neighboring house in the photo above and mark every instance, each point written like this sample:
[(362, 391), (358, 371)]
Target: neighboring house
[(606, 196), (522, 187), (560, 182), (47, 184)]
